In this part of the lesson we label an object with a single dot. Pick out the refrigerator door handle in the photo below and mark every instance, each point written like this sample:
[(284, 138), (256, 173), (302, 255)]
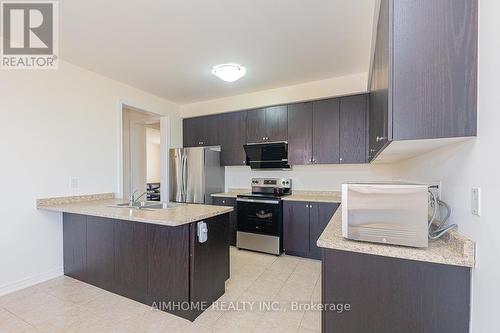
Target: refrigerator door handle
[(184, 178)]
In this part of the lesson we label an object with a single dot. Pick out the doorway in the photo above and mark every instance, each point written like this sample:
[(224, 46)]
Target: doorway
[(142, 154)]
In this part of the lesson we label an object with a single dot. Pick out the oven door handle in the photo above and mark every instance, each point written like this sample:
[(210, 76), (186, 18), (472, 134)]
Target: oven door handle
[(272, 202)]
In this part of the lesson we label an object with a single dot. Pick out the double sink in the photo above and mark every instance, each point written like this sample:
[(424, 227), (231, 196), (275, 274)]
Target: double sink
[(147, 205)]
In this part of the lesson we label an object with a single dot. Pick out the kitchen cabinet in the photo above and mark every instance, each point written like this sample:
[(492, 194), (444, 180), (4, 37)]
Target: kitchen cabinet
[(267, 124), (100, 253), (202, 131), (353, 129), (296, 228), (326, 122), (74, 245), (233, 219), (300, 138), (320, 215), (393, 295), (233, 137), (424, 72), (130, 249), (303, 223)]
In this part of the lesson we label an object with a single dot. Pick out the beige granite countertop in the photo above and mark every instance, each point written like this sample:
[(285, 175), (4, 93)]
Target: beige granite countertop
[(99, 205), (299, 195), (454, 249), (232, 193), (314, 196)]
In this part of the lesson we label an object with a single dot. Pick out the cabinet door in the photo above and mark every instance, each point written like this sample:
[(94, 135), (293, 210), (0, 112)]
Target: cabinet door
[(353, 134), (277, 123), (74, 245), (326, 131), (233, 134), (379, 88), (233, 222), (321, 214), (211, 130), (131, 254), (296, 227), (256, 125), (300, 127), (100, 252), (434, 88), (189, 132)]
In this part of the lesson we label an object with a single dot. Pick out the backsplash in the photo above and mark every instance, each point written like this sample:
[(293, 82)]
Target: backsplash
[(312, 177)]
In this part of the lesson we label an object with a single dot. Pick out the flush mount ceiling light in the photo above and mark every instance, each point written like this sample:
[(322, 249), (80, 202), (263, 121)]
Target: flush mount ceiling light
[(229, 72)]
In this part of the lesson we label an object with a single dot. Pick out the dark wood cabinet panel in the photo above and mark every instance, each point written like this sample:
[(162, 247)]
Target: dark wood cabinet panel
[(434, 90), (256, 125), (320, 215), (296, 228), (201, 131), (277, 123), (74, 245), (300, 133), (233, 217), (394, 295), (353, 133), (100, 252), (131, 268), (209, 261), (380, 126), (168, 276), (326, 131), (233, 137)]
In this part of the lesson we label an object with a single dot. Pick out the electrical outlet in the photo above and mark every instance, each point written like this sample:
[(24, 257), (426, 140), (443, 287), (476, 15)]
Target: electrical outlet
[(476, 201), (74, 183)]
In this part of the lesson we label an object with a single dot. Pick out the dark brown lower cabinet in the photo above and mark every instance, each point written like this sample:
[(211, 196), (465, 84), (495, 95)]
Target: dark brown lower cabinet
[(303, 223), (233, 216), (157, 265), (393, 295)]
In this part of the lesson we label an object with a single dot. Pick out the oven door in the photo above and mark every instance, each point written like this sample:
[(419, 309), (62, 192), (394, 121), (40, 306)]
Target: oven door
[(261, 216)]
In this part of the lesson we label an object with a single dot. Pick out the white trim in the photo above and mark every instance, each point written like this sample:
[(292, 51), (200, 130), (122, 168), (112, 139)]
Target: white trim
[(31, 281), (164, 156), (164, 146)]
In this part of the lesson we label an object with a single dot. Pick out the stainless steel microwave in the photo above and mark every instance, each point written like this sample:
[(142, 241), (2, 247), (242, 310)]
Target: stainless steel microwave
[(390, 213)]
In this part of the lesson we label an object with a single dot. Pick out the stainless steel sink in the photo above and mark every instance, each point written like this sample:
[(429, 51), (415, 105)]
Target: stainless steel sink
[(147, 205)]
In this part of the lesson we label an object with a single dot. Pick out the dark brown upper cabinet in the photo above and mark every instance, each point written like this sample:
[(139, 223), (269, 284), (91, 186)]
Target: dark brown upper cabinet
[(233, 136), (267, 124), (326, 122), (300, 129), (424, 72), (201, 131), (353, 129)]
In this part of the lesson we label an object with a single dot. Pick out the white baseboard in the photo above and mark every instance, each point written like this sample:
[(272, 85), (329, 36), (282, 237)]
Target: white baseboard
[(28, 282)]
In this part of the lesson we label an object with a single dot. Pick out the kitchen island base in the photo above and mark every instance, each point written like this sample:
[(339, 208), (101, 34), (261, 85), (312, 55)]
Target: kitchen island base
[(165, 267)]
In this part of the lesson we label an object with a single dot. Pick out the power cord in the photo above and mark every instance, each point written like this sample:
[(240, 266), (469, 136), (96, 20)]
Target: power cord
[(438, 227)]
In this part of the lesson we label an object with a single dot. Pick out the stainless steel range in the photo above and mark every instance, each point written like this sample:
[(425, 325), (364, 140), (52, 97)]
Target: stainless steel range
[(260, 215)]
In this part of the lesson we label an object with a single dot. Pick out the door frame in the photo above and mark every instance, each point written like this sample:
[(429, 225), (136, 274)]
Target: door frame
[(164, 147)]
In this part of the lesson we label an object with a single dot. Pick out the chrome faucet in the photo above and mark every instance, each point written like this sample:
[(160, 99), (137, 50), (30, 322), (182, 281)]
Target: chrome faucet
[(132, 199)]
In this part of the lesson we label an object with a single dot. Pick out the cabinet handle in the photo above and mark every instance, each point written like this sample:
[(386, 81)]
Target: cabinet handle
[(310, 206), (223, 201), (373, 150), (307, 206), (380, 138), (340, 159)]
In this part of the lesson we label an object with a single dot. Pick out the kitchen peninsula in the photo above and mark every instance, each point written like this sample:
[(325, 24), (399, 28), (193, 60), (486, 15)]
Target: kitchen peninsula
[(153, 256)]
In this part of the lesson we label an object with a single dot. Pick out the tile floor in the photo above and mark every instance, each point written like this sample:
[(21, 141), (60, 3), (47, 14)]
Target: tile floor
[(67, 305)]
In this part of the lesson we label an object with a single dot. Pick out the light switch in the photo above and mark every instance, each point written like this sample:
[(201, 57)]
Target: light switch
[(476, 201)]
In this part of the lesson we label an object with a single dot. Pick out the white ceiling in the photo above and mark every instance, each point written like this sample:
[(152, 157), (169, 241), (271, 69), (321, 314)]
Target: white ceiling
[(168, 47)]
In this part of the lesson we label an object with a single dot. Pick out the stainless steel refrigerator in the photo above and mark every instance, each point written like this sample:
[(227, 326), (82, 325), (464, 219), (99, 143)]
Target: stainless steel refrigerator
[(195, 174)]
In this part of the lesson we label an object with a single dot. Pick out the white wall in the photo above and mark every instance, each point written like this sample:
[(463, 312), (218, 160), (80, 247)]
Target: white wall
[(153, 155), (470, 164), (56, 124), (337, 86), (312, 177)]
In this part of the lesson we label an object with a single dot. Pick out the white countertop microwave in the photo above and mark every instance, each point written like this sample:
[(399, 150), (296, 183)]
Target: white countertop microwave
[(390, 213)]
